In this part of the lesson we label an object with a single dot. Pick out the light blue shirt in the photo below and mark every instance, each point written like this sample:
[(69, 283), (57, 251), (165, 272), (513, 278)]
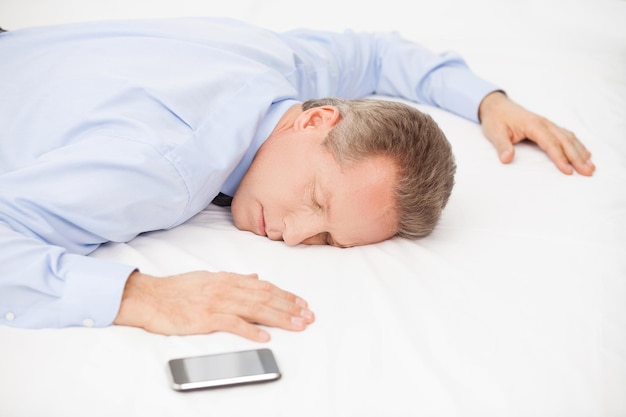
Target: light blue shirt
[(111, 129)]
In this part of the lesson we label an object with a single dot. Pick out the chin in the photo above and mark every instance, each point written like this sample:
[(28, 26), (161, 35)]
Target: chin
[(238, 224), (237, 217), (241, 217)]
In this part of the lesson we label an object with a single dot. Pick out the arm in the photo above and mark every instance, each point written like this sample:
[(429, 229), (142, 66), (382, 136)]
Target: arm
[(43, 285), (353, 64), (58, 210), (61, 207), (357, 65)]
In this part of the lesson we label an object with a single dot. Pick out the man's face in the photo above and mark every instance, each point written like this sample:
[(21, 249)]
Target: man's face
[(297, 192)]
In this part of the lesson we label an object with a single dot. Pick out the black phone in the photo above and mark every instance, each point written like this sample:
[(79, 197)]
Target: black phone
[(223, 369)]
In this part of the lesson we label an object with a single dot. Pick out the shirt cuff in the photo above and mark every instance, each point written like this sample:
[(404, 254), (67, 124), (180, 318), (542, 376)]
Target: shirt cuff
[(91, 296), (461, 92), (93, 292)]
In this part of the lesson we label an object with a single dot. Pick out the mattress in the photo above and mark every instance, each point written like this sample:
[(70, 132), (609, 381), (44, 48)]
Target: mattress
[(514, 306)]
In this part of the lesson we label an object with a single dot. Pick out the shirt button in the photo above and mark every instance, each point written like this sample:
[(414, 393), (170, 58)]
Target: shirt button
[(9, 316), (88, 323)]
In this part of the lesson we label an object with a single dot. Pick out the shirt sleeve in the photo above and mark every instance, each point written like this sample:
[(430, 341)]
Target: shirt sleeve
[(58, 210), (354, 64), (46, 286)]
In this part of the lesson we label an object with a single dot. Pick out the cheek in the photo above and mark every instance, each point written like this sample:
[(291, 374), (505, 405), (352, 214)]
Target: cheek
[(286, 201), (285, 182), (279, 179), (283, 195)]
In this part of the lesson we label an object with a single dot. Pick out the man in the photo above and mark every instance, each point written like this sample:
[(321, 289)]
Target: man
[(116, 128)]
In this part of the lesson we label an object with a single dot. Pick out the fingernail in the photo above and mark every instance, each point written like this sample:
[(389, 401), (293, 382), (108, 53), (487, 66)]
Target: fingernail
[(307, 314), (263, 336), (301, 302), (297, 321)]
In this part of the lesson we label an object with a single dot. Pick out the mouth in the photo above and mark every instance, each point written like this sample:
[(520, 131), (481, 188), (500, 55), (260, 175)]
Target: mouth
[(261, 223)]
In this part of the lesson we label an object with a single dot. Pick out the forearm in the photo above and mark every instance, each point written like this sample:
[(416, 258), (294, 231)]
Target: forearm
[(351, 64), (444, 80), (56, 211), (44, 286)]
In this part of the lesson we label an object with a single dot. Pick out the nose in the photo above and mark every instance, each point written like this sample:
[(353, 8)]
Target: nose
[(302, 229)]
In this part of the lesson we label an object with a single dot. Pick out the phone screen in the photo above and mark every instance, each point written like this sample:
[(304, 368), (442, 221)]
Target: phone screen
[(223, 369)]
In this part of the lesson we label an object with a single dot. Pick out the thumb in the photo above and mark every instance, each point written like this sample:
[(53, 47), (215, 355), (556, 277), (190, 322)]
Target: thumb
[(504, 147)]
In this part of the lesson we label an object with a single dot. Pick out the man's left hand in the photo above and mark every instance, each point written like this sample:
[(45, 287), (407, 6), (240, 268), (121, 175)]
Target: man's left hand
[(506, 123)]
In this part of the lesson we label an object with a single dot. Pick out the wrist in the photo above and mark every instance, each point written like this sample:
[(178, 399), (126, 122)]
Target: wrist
[(134, 306), (490, 103)]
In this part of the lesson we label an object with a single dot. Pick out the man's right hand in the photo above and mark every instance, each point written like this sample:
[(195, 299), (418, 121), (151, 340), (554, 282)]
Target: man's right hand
[(204, 302)]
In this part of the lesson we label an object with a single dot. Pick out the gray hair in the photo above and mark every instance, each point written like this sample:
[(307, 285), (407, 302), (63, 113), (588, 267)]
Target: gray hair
[(412, 139)]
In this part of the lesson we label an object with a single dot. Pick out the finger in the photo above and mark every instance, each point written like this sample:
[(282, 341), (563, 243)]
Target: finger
[(547, 137), (587, 168), (504, 146), (284, 301), (567, 152), (578, 156), (267, 286), (581, 149), (262, 302), (293, 309), (256, 301), (275, 312), (557, 155), (506, 156), (236, 325)]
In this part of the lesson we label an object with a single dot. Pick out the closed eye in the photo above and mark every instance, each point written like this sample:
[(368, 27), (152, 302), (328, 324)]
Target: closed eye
[(323, 238)]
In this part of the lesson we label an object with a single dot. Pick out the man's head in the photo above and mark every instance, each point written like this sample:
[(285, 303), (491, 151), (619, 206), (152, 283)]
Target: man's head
[(347, 172)]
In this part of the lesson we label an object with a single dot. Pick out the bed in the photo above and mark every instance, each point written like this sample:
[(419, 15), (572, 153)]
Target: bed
[(514, 306)]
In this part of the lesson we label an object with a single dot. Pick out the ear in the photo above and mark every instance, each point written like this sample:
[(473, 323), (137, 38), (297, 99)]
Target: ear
[(323, 117)]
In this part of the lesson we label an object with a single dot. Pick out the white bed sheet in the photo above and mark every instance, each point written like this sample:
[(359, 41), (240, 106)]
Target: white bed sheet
[(515, 306)]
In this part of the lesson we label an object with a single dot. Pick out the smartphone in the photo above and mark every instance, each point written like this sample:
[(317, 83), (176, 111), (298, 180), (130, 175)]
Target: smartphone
[(223, 369)]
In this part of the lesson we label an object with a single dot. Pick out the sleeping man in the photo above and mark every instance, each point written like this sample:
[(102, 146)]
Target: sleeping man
[(111, 129)]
